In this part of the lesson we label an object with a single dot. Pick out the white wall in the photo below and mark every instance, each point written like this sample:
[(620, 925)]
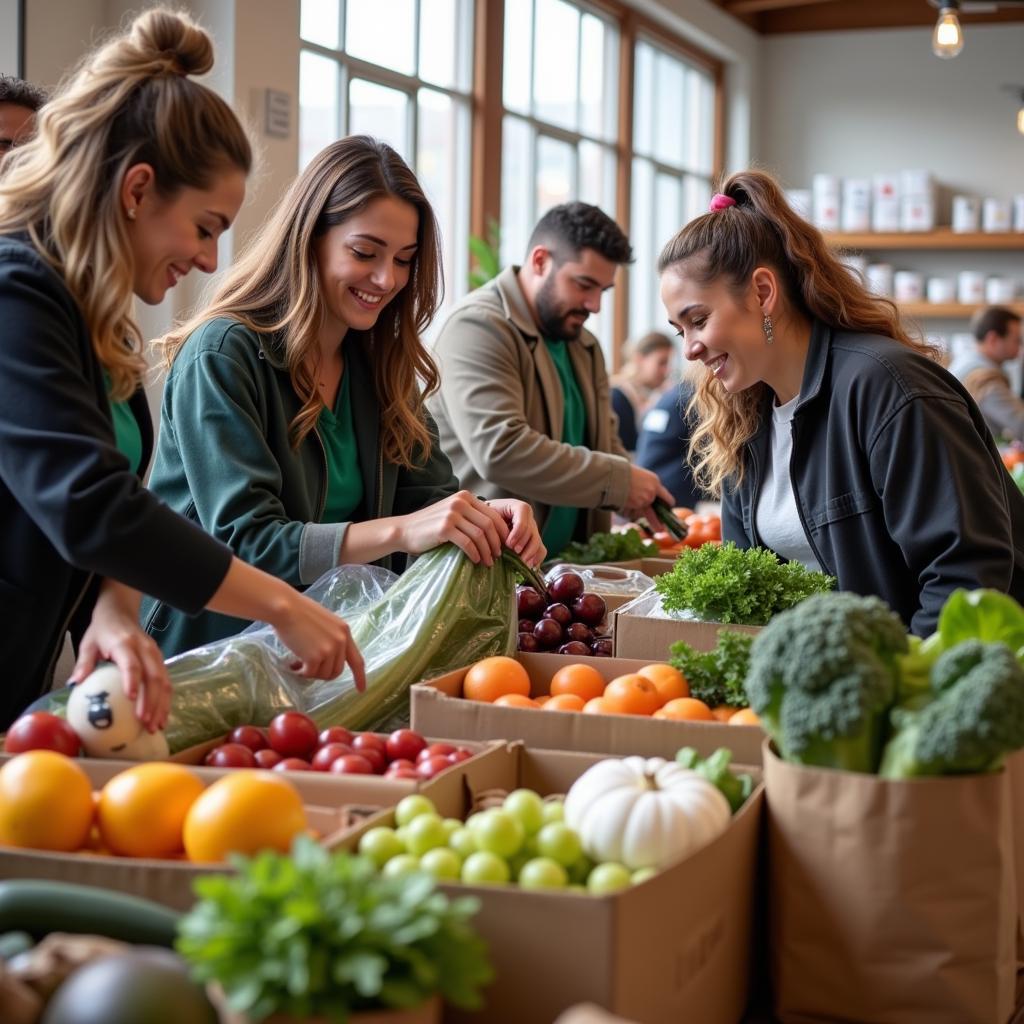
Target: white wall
[(57, 35), (10, 31)]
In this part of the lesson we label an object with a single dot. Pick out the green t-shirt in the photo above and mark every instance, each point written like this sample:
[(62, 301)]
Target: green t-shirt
[(344, 481), (561, 521), (127, 435)]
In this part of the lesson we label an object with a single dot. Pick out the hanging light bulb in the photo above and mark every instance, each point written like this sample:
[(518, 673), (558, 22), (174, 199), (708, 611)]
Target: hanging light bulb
[(948, 37), (1020, 120)]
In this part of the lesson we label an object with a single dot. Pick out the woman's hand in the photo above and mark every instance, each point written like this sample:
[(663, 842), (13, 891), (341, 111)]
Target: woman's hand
[(523, 537), (477, 528), (319, 639), (114, 634)]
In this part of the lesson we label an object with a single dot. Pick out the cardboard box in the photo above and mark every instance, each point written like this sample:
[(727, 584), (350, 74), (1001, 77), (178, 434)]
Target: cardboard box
[(639, 634), (675, 948), (648, 566), (437, 705)]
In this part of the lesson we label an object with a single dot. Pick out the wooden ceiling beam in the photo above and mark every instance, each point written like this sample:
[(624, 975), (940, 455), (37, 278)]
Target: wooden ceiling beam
[(756, 6)]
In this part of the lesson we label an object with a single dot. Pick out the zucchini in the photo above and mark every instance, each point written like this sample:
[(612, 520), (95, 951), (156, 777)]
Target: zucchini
[(675, 526), (40, 907), (13, 944)]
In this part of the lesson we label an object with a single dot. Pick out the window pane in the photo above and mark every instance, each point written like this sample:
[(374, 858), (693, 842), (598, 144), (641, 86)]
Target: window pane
[(593, 79), (554, 73), (318, 105), (381, 112), (704, 86), (696, 196), (318, 22), (517, 211), (668, 196), (642, 285), (643, 100), (518, 55), (555, 173), (597, 176), (381, 32), (438, 40), (670, 87)]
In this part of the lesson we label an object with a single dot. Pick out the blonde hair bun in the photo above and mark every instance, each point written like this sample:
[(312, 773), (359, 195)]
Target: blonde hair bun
[(169, 38)]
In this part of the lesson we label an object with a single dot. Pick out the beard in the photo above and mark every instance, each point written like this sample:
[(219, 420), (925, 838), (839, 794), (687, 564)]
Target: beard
[(553, 317)]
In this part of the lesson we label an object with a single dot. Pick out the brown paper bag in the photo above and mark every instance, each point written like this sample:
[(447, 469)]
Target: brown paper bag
[(1015, 769), (891, 902)]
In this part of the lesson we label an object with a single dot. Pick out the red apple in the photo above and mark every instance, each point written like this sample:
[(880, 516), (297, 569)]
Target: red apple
[(328, 754), (351, 764), (405, 744), (249, 736)]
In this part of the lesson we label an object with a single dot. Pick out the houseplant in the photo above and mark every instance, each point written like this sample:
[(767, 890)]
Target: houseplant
[(317, 936)]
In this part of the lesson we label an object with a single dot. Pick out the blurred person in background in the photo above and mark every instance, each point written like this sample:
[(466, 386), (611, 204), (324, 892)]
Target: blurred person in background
[(640, 382), (19, 102), (663, 444)]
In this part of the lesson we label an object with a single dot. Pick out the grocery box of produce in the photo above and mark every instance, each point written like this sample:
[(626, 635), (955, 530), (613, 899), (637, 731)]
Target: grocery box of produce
[(438, 706), (648, 566), (640, 629), (674, 947)]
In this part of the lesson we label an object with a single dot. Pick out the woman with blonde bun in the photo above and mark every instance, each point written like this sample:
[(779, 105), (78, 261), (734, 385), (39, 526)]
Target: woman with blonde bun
[(135, 172), (831, 433)]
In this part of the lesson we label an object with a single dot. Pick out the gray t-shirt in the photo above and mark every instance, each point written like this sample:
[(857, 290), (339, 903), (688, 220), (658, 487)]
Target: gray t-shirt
[(777, 520)]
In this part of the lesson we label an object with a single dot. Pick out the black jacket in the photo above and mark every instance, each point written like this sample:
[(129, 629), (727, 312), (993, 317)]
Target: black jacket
[(71, 509), (898, 483)]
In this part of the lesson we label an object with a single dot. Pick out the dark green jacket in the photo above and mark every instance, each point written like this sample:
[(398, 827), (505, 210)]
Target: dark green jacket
[(224, 460)]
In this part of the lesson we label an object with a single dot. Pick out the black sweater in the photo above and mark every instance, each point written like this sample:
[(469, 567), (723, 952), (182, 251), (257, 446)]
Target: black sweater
[(71, 509)]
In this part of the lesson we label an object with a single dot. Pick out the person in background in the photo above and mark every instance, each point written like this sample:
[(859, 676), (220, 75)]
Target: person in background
[(833, 436), (19, 103), (134, 173), (308, 367), (639, 384), (663, 442), (523, 408), (997, 334)]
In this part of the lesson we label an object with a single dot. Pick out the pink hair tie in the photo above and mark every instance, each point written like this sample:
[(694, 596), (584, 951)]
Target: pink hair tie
[(721, 202)]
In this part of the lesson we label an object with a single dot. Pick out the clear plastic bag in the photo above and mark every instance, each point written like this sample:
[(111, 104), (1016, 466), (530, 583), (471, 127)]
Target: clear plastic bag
[(607, 580)]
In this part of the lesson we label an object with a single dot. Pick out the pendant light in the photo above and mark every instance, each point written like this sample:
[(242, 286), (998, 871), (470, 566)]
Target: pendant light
[(948, 36)]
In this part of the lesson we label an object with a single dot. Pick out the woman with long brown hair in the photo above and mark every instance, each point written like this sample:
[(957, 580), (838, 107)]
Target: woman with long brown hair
[(831, 434), (134, 173), (293, 424)]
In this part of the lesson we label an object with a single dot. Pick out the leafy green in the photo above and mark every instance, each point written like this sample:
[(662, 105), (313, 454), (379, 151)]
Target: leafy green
[(486, 253), (724, 583), (716, 768), (323, 934), (986, 615), (609, 547), (716, 676)]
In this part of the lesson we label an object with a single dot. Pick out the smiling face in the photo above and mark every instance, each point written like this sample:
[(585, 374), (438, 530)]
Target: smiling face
[(569, 292), (365, 261), (169, 237), (717, 329)]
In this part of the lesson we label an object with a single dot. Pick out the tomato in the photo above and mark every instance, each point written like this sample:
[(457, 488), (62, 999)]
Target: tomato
[(403, 773), (244, 812), (377, 758), (249, 736), (352, 764), (267, 758), (328, 754), (39, 730), (435, 750), (430, 766), (142, 810), (460, 755), (45, 802), (702, 530), (292, 764), (405, 744), (293, 734), (369, 741), (334, 734), (401, 765), (231, 755)]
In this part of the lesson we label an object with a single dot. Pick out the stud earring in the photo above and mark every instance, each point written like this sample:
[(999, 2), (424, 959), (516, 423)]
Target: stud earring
[(769, 329), (131, 212)]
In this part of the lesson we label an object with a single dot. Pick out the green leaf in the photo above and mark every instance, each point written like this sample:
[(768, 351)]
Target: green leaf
[(986, 615)]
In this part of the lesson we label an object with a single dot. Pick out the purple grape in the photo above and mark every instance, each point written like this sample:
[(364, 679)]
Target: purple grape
[(589, 608), (526, 625), (566, 588), (528, 643), (579, 631), (529, 604), (559, 612), (575, 648), (601, 647), (548, 634)]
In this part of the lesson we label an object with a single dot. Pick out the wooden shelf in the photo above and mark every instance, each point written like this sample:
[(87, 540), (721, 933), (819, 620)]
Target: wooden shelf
[(943, 238), (950, 310)]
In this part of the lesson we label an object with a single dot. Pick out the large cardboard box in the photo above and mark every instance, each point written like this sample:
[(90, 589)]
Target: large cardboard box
[(639, 633), (675, 948), (438, 706)]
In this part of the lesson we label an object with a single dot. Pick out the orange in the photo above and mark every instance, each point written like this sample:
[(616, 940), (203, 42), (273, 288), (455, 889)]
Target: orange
[(244, 812), (632, 695), (542, 700), (495, 677), (45, 802), (723, 712), (598, 706), (565, 702), (668, 681), (687, 709), (584, 681), (142, 810), (514, 700), (745, 716)]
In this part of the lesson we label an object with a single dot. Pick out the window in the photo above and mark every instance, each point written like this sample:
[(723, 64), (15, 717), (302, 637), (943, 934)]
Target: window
[(672, 165), (560, 126), (408, 85)]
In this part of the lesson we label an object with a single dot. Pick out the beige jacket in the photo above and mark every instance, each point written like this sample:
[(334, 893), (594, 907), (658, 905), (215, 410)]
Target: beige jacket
[(499, 410)]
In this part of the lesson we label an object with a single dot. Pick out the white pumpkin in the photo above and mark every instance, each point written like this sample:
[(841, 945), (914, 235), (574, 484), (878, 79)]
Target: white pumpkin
[(644, 812)]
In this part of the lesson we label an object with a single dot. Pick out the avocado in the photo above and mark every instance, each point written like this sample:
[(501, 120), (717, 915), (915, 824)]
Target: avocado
[(144, 986)]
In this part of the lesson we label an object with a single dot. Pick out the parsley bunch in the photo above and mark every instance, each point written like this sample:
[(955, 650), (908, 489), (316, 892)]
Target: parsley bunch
[(724, 583), (609, 547)]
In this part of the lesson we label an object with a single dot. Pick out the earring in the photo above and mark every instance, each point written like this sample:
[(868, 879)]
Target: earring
[(769, 329), (131, 212)]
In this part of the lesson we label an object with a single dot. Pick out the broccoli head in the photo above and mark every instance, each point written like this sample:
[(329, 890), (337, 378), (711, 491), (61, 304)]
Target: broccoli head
[(823, 676), (973, 720)]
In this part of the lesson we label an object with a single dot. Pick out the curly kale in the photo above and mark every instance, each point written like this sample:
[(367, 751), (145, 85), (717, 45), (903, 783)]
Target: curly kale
[(823, 677), (975, 716), (609, 547), (716, 676)]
